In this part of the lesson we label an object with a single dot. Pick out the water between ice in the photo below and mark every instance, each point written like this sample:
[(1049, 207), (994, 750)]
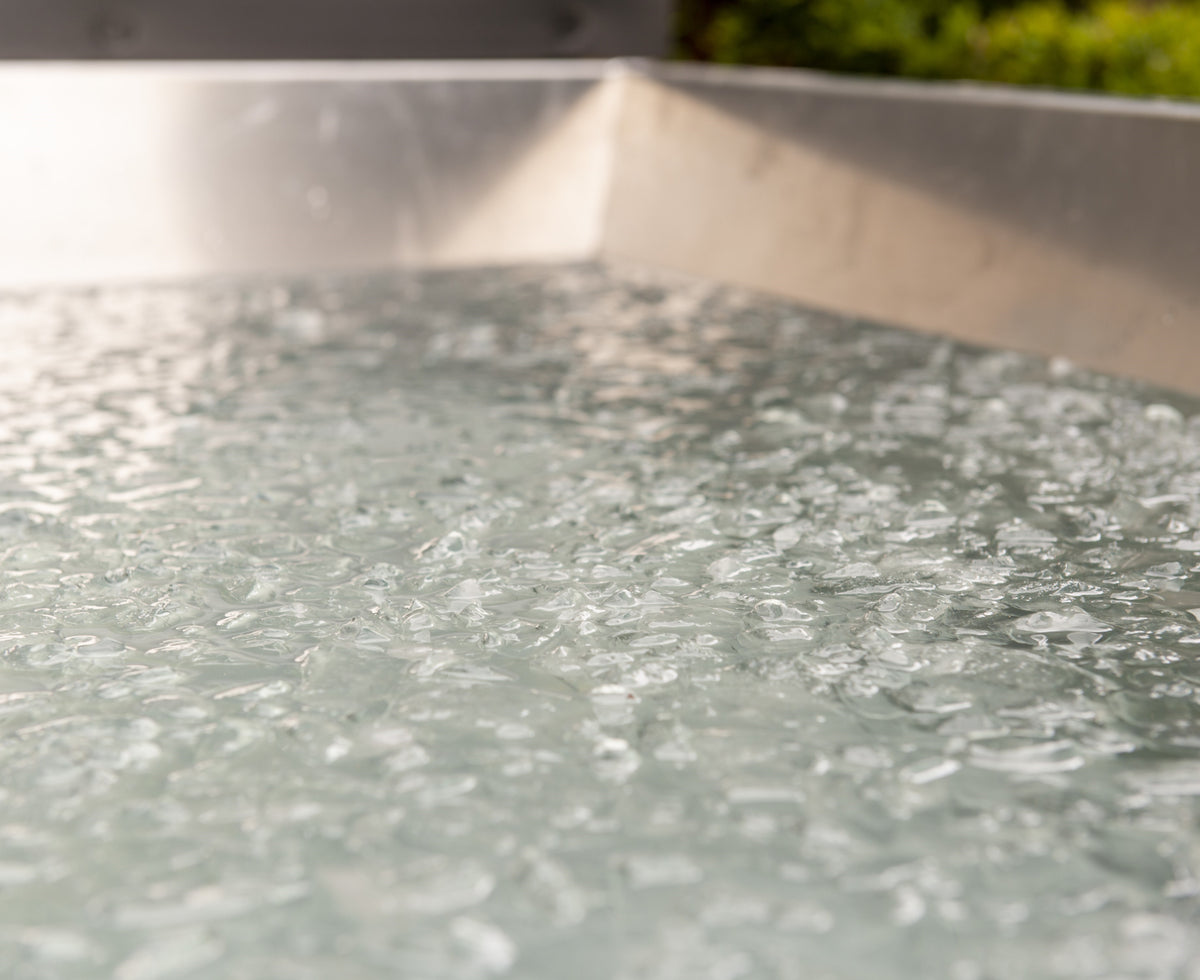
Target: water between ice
[(585, 623)]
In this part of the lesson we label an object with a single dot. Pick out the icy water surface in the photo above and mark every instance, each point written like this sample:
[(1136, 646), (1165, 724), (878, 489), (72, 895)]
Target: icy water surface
[(584, 624)]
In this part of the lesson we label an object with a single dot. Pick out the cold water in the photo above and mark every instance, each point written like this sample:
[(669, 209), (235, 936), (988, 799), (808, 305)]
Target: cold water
[(584, 623)]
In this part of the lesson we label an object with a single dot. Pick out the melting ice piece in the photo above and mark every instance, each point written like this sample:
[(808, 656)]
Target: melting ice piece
[(1179, 779), (1070, 620), (724, 569), (1029, 760), (462, 595), (1018, 534)]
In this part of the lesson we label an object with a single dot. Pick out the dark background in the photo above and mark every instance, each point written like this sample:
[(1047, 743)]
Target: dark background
[(300, 29)]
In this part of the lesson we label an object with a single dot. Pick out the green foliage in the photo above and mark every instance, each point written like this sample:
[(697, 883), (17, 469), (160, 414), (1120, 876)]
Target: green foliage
[(1137, 48)]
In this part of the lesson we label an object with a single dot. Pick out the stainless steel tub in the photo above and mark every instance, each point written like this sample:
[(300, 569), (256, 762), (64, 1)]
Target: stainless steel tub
[(1058, 224)]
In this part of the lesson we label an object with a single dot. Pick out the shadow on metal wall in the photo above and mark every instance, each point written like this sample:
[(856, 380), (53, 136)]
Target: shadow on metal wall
[(1111, 179)]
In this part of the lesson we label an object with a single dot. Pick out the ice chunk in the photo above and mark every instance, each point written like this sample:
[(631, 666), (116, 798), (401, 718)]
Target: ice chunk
[(1069, 620)]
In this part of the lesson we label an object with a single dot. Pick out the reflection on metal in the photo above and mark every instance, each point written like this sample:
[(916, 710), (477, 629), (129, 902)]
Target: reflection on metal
[(549, 202), (1057, 224), (134, 172)]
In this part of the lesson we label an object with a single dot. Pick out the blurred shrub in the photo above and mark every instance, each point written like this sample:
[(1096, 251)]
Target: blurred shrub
[(1137, 48)]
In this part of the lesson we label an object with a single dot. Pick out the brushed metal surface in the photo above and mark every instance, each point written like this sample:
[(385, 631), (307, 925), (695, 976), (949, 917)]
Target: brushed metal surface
[(295, 29), (157, 171), (1059, 224), (1063, 225)]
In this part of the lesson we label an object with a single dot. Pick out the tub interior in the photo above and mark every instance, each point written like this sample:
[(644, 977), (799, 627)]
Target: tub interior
[(599, 519), (1051, 224), (590, 620)]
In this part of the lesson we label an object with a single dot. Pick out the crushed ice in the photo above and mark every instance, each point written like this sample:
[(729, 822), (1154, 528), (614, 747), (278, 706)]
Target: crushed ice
[(584, 623)]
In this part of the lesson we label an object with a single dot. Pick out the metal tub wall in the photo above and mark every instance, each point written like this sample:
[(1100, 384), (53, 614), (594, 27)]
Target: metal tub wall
[(168, 171), (1058, 224), (1065, 225)]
